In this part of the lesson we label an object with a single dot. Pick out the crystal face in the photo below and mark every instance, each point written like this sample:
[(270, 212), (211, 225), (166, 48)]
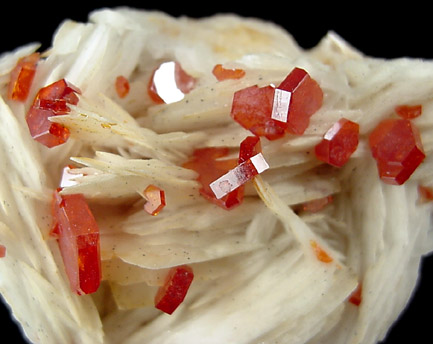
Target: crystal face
[(222, 73), (169, 83), (22, 76), (78, 238), (51, 101), (408, 111), (397, 148), (155, 200), (175, 288), (338, 143), (209, 165), (271, 112)]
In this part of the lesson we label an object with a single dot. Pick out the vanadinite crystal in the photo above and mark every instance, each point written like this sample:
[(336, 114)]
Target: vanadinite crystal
[(169, 83), (22, 76), (320, 253), (2, 251), (78, 238), (271, 112), (122, 86), (338, 143), (209, 165), (222, 73), (175, 288), (155, 200), (51, 101), (396, 145), (408, 111)]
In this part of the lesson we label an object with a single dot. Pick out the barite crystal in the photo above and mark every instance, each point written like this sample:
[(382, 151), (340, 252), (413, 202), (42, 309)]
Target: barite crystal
[(78, 237), (338, 143), (173, 292), (397, 148)]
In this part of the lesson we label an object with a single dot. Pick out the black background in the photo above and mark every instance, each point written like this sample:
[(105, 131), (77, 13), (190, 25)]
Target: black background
[(388, 31)]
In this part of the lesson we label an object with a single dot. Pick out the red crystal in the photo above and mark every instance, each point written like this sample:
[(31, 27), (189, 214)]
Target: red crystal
[(356, 296), (338, 143), (396, 145), (208, 164), (122, 86), (408, 111), (51, 101), (320, 253), (78, 238), (271, 112), (2, 251), (425, 193), (155, 200), (249, 147), (316, 205), (222, 73), (169, 83), (252, 109), (22, 76), (306, 98), (175, 288)]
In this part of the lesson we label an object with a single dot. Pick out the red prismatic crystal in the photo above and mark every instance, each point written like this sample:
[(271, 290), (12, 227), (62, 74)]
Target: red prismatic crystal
[(155, 200), (169, 83), (338, 143), (122, 86), (209, 165), (78, 237), (396, 145), (222, 73), (252, 109), (22, 76), (356, 296), (249, 147), (51, 101), (306, 98), (408, 111), (2, 251), (175, 288)]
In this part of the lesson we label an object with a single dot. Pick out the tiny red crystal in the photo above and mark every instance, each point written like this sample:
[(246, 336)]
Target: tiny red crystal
[(2, 251), (338, 143), (155, 200), (408, 111), (356, 296), (173, 292), (78, 237), (51, 101), (425, 193), (397, 148), (22, 76), (316, 205), (320, 253), (169, 83), (122, 86), (222, 73), (209, 165), (249, 147)]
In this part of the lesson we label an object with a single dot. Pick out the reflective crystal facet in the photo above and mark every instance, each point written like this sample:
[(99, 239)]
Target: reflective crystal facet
[(396, 145), (22, 76), (78, 237), (175, 288), (338, 143)]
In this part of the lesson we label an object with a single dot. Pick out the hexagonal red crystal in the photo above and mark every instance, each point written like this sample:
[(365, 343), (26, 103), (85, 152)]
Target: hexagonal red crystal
[(155, 200), (396, 145), (209, 165), (51, 101), (408, 111), (22, 76), (173, 292), (338, 143), (78, 238)]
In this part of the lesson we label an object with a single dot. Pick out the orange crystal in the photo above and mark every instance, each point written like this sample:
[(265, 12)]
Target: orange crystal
[(2, 251), (408, 111), (22, 76), (222, 73), (173, 292), (51, 101), (320, 253), (209, 165), (396, 145), (122, 86), (155, 200), (78, 237), (338, 143)]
